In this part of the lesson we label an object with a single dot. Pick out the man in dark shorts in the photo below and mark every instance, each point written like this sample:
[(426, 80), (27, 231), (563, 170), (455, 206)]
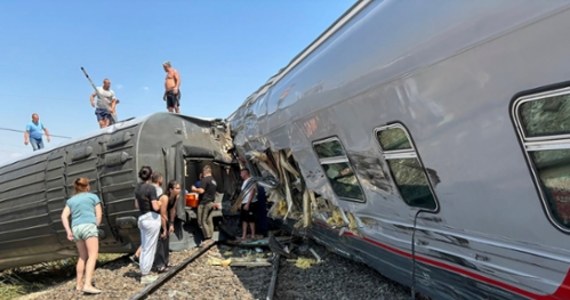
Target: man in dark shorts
[(171, 88), (248, 204), (104, 101)]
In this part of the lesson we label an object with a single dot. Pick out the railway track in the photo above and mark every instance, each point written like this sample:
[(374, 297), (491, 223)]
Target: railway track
[(194, 277), (164, 278), (145, 292)]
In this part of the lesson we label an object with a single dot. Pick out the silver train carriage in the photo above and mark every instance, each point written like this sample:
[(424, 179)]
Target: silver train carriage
[(33, 189), (431, 141)]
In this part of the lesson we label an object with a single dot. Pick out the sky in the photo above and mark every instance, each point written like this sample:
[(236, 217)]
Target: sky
[(224, 51)]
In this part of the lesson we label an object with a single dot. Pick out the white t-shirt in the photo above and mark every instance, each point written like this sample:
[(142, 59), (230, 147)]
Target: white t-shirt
[(158, 190), (248, 193), (104, 98)]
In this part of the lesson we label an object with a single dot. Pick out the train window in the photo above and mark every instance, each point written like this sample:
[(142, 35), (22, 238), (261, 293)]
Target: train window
[(338, 169), (544, 128), (546, 117), (393, 139), (407, 171), (329, 149)]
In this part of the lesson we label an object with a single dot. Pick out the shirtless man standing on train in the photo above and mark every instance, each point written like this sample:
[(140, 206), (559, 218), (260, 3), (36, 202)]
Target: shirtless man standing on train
[(171, 88)]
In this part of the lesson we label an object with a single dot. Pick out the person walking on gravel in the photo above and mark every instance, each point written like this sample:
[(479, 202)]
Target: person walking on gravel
[(86, 213)]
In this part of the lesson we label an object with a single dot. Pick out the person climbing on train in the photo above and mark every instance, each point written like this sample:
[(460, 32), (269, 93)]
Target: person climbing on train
[(149, 222), (86, 214), (168, 215)]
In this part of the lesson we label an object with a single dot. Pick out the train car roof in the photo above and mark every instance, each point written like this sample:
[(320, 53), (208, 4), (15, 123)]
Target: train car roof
[(109, 130), (339, 23)]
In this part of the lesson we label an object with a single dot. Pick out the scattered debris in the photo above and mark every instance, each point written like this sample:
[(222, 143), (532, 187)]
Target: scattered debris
[(317, 257), (278, 248), (304, 263)]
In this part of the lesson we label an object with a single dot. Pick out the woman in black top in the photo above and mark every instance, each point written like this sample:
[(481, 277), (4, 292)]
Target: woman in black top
[(149, 222)]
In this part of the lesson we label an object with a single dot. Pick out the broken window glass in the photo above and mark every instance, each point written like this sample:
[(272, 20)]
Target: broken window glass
[(407, 171), (544, 129), (338, 170)]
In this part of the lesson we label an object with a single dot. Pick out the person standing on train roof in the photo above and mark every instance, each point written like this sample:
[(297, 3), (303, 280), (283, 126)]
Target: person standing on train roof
[(33, 133), (105, 106), (149, 222), (171, 88), (86, 214)]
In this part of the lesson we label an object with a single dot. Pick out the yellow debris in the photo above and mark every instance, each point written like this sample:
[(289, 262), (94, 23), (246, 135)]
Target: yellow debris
[(335, 219), (305, 263), (219, 262), (352, 225)]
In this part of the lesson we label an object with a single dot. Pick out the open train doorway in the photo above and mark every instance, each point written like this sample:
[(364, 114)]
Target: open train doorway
[(226, 178)]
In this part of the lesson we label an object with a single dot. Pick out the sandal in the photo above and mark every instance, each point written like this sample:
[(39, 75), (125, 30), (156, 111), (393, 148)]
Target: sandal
[(91, 290), (162, 269)]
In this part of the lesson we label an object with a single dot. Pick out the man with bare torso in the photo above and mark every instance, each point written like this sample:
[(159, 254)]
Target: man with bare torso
[(171, 88)]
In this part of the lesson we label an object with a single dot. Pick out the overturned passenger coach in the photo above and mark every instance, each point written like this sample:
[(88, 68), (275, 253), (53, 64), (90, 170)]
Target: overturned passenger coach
[(33, 189)]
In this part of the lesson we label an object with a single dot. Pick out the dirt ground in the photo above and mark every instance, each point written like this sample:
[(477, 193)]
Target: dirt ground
[(299, 277)]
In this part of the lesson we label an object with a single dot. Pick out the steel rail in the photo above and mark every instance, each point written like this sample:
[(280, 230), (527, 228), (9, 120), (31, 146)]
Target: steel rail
[(273, 283), (149, 289)]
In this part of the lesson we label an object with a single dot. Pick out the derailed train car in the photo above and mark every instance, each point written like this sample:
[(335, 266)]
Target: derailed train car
[(33, 190), (429, 140)]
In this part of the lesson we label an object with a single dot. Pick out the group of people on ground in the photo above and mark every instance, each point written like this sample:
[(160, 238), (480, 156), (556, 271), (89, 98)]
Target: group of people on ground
[(105, 103), (156, 221), (82, 215)]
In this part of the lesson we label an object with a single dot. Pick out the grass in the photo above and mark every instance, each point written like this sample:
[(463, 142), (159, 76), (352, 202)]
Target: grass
[(20, 281)]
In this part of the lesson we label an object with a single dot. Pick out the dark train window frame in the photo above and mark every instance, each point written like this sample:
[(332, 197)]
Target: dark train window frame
[(543, 143), (408, 153), (335, 160)]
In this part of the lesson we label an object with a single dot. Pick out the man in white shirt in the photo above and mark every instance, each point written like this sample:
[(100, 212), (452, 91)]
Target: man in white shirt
[(105, 105), (248, 204)]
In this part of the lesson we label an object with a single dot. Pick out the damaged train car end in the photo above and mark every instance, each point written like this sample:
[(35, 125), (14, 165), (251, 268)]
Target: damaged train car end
[(33, 189), (429, 143)]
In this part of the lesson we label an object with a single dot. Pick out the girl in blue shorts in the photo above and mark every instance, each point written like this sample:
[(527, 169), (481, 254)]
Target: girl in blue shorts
[(86, 212)]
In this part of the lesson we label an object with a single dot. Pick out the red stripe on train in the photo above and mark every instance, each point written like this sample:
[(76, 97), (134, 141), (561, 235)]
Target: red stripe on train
[(562, 293)]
